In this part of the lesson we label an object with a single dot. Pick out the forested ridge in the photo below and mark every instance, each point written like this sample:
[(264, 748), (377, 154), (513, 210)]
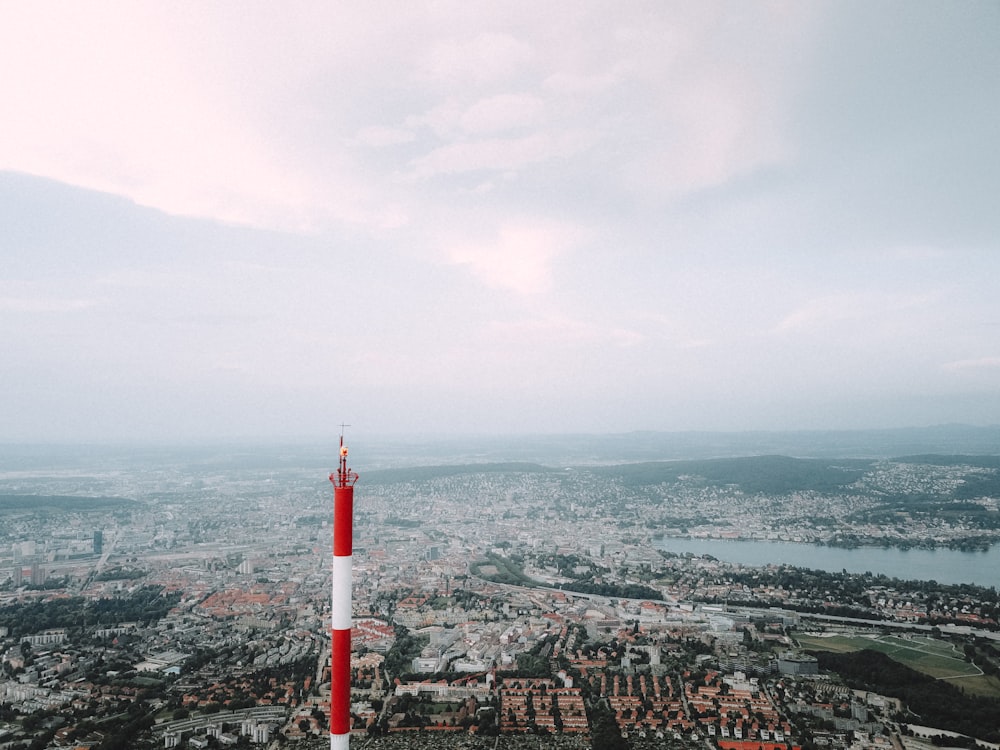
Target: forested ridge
[(509, 571), (932, 702), (768, 474), (424, 473), (148, 604), (60, 502)]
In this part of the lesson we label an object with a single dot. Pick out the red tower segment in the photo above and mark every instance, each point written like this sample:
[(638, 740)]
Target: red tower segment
[(340, 634)]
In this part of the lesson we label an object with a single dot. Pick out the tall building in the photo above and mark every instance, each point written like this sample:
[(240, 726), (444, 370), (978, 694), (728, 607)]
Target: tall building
[(37, 574), (797, 664), (98, 542)]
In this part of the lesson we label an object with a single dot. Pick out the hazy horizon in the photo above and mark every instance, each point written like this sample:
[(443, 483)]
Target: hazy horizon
[(226, 223), (374, 452)]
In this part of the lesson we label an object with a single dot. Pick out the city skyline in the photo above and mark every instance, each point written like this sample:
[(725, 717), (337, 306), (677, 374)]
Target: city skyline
[(463, 218)]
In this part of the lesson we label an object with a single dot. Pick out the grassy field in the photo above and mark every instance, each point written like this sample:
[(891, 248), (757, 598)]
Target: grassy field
[(839, 644), (985, 685), (939, 659)]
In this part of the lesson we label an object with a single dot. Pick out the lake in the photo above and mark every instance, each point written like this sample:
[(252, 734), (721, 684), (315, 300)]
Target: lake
[(942, 565)]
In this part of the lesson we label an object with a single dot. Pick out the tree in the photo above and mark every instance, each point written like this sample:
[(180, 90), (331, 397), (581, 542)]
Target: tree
[(605, 734)]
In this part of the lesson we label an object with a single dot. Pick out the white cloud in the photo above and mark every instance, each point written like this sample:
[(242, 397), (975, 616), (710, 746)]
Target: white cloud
[(833, 309), (579, 84), (442, 119), (520, 258), (715, 129), (158, 105), (485, 58), (500, 154), (500, 113), (379, 137), (819, 312), (718, 77), (982, 364), (148, 279), (493, 192), (256, 116), (561, 331), (46, 304), (676, 332)]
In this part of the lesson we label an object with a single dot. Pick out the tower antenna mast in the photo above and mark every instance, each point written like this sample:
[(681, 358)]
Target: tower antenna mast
[(343, 480)]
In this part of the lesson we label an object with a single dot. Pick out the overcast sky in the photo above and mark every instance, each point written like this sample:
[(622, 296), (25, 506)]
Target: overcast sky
[(263, 219)]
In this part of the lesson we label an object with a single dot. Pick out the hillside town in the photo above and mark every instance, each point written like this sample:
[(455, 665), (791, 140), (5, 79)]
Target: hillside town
[(188, 605)]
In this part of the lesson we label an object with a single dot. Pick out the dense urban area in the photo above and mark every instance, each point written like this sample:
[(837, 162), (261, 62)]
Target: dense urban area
[(182, 599)]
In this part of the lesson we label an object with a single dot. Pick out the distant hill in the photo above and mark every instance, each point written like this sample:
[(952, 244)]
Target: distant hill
[(73, 503), (974, 485), (424, 473), (616, 448), (372, 452), (934, 459), (752, 474), (769, 474)]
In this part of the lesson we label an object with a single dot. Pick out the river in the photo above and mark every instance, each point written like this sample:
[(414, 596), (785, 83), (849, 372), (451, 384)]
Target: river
[(941, 565)]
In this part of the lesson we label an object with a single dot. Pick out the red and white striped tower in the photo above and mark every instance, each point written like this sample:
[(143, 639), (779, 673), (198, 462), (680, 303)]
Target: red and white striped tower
[(340, 661)]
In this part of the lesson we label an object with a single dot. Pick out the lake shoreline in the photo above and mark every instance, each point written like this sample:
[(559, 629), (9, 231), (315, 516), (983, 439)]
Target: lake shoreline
[(980, 567)]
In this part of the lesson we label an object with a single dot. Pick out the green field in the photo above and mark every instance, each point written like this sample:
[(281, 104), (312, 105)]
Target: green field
[(937, 658)]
